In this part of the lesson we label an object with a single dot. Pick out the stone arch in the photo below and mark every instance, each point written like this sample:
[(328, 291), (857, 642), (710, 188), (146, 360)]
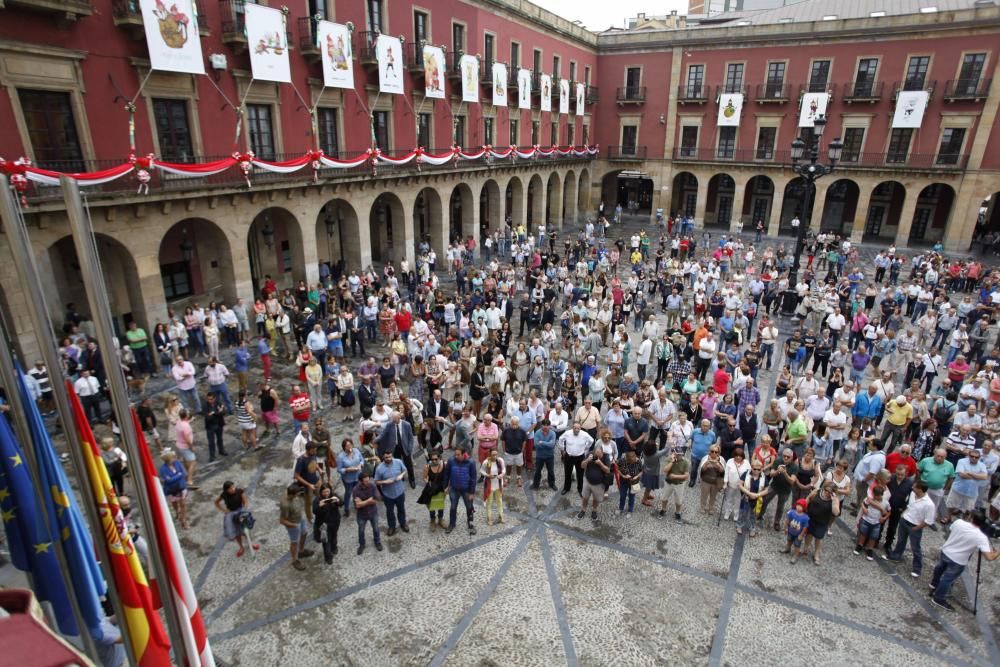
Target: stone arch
[(932, 214), (337, 239), (885, 206), (387, 220), (553, 201), (793, 203), (196, 264), (514, 200), (584, 204), (490, 211), (840, 206), (275, 247), (758, 200), (684, 195), (461, 213), (570, 209), (536, 202), (428, 220), (719, 204)]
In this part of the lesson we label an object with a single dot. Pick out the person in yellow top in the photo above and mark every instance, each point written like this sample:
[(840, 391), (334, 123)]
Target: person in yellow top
[(898, 415), (635, 258)]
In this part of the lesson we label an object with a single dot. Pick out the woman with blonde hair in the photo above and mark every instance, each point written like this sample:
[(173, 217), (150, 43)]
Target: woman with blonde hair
[(492, 471), (172, 410), (173, 476)]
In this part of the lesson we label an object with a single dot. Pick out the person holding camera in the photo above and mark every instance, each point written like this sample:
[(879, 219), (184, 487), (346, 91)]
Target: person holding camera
[(326, 512), (596, 475), (965, 538)]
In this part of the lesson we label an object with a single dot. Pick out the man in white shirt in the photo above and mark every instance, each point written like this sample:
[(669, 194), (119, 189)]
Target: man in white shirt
[(661, 411), (836, 321), (89, 390), (817, 405), (919, 513), (706, 354), (837, 421), (807, 386), (786, 403), (643, 355), (964, 540), (846, 396), (573, 445)]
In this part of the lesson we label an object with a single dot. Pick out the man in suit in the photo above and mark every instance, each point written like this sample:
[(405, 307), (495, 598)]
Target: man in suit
[(436, 411), (366, 397), (356, 327), (397, 438)]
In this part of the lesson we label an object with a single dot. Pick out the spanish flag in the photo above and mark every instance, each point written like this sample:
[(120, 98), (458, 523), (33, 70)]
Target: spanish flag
[(144, 627)]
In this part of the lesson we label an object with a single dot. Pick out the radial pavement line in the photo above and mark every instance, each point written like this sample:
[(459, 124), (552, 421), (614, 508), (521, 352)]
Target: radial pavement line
[(253, 583), (985, 629), (557, 600), (726, 606)]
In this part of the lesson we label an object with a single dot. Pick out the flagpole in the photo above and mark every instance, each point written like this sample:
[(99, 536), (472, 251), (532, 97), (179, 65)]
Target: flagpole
[(98, 299), (8, 375), (24, 261)]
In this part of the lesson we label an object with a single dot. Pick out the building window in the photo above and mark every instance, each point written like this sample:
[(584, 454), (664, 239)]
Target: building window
[(572, 71), (899, 145), (727, 143), (457, 38), (420, 24), (375, 14), (489, 52), (586, 134), (172, 130), (570, 131), (952, 139), (864, 80), (819, 76), (689, 140), (807, 135), (695, 81), (970, 74), (916, 73), (535, 130), (854, 138), (424, 130), (765, 142), (176, 280), (630, 139), (514, 135), (775, 86), (329, 138), (515, 56), (633, 80), (556, 66), (554, 134), (460, 130), (488, 131), (52, 129), (586, 75), (734, 77), (261, 130), (381, 120), (536, 60)]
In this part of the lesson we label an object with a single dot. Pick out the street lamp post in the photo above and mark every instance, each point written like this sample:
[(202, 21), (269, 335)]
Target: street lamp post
[(805, 163)]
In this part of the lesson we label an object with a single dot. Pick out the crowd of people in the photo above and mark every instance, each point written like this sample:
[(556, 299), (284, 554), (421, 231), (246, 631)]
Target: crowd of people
[(645, 364)]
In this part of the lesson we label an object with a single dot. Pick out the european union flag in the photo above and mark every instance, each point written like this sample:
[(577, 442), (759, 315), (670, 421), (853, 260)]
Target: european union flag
[(60, 504), (28, 537)]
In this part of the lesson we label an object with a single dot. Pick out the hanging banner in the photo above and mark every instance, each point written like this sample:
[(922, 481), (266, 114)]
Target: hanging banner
[(434, 72), (499, 84), (268, 44), (469, 67), (546, 92), (581, 98), (338, 61), (389, 54), (563, 96), (172, 36), (730, 109), (813, 105), (523, 89), (910, 106)]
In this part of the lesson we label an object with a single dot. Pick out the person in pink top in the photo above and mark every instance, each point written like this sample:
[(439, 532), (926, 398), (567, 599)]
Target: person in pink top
[(183, 373), (185, 446), (487, 435)]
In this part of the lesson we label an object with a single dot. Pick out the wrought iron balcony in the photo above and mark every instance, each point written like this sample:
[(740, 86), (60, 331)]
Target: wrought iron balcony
[(967, 90), (773, 92), (629, 94), (692, 93), (862, 90)]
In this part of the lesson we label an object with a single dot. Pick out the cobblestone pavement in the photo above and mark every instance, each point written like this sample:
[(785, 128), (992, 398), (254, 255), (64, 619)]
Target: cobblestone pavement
[(546, 588)]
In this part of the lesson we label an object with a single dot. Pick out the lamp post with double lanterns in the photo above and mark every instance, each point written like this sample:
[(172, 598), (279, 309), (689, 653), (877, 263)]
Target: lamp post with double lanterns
[(805, 163)]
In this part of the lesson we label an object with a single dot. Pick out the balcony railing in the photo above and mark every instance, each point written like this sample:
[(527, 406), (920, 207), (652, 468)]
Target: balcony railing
[(862, 90), (782, 158), (593, 95), (486, 71), (308, 43), (626, 153), (727, 89), (415, 57), (692, 93), (816, 87), (128, 14), (630, 94), (63, 10), (454, 62), (967, 89), (775, 92), (913, 85), (234, 25), (366, 48)]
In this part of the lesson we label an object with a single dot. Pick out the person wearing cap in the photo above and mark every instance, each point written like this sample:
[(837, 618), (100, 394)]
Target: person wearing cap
[(898, 416), (796, 524)]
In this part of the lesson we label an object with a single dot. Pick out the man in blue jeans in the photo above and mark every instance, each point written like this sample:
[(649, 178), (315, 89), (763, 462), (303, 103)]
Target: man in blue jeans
[(366, 505), (965, 539), (389, 476), (460, 481), (919, 513)]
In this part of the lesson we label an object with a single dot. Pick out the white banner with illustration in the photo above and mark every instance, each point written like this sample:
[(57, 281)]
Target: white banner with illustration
[(563, 96), (523, 88), (469, 67), (910, 106), (581, 98), (499, 84), (813, 105), (172, 36), (268, 44), (434, 72), (545, 91), (730, 109), (338, 57), (389, 54)]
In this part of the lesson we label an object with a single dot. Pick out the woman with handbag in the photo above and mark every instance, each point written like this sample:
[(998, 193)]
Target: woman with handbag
[(629, 480), (433, 494), (234, 505)]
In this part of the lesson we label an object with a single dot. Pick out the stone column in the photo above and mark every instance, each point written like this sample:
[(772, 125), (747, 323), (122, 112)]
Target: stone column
[(861, 216), (819, 203), (700, 205), (906, 216), (555, 201), (965, 210), (408, 249), (738, 195), (774, 216)]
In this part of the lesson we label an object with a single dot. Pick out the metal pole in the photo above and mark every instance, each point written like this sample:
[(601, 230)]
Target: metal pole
[(24, 261), (97, 297), (8, 375), (800, 234)]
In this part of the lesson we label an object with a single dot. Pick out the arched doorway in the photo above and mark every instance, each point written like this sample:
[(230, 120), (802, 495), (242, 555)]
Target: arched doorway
[(514, 201), (553, 202), (428, 222), (275, 248), (621, 187), (930, 218), (583, 204), (337, 239), (758, 197), (684, 197), (719, 204), (196, 264), (793, 203), (120, 276), (461, 214), (489, 208), (386, 219), (884, 209), (536, 202), (840, 206), (569, 212)]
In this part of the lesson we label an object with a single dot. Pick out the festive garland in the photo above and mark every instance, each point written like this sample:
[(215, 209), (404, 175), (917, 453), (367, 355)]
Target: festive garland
[(21, 170)]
